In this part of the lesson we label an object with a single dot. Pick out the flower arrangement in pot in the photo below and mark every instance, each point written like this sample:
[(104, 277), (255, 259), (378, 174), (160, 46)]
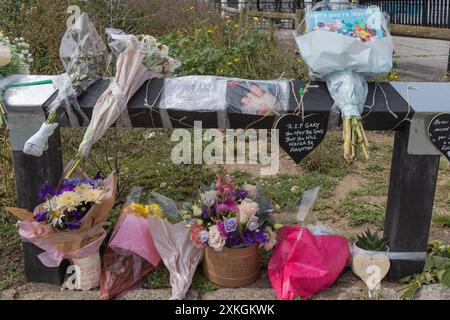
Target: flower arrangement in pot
[(370, 261), (231, 223)]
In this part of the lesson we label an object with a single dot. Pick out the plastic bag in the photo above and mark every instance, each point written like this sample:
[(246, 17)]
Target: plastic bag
[(207, 93), (83, 53), (172, 240), (308, 258), (345, 37), (304, 264), (130, 254)]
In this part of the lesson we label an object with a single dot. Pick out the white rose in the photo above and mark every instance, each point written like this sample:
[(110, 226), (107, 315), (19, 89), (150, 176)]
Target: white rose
[(215, 240), (5, 56)]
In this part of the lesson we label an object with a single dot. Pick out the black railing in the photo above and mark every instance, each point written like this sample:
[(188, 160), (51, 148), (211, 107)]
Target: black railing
[(427, 13)]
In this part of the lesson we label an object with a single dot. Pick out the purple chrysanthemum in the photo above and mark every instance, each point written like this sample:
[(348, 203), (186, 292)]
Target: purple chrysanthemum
[(41, 217), (47, 192)]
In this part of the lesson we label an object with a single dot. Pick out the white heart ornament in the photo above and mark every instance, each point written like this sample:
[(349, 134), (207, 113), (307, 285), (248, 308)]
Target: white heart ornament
[(371, 268)]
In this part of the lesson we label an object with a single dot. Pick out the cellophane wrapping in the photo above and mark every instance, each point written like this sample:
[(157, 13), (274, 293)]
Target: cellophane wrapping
[(75, 244), (131, 253), (346, 44)]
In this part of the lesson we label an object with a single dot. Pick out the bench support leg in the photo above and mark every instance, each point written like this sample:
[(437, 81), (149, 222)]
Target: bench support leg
[(410, 204), (32, 173)]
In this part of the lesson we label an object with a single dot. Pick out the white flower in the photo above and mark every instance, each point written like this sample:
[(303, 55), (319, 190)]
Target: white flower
[(93, 195), (83, 188), (215, 240), (68, 200), (209, 197), (5, 56)]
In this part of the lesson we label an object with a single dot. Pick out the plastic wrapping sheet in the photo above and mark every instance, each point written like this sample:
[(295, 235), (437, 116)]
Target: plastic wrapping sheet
[(130, 254), (345, 37), (216, 94), (83, 53), (60, 245)]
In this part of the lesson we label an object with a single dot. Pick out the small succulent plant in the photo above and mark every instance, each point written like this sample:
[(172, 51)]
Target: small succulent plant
[(371, 241)]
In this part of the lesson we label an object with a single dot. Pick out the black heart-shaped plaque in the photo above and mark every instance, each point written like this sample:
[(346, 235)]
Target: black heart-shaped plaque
[(439, 131), (300, 137)]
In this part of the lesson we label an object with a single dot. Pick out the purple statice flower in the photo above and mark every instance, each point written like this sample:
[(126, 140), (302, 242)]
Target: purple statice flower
[(66, 188), (74, 225), (221, 227), (77, 215), (241, 194), (205, 213), (41, 217), (228, 205), (261, 237), (232, 240), (230, 225), (204, 236), (249, 237), (47, 192), (97, 176)]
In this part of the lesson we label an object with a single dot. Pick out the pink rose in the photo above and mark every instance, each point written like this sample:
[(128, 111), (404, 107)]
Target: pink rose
[(247, 210)]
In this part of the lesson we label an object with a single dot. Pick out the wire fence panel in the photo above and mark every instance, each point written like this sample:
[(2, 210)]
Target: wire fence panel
[(426, 13)]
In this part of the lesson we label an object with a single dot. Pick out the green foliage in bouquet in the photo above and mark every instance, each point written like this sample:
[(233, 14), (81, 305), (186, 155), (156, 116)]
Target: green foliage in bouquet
[(436, 270), (371, 241)]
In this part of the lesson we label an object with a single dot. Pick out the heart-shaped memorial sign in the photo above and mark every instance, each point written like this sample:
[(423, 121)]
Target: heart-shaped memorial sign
[(300, 137), (439, 131), (371, 268)]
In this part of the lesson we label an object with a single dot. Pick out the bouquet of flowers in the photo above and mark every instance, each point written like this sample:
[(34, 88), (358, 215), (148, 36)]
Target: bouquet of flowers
[(345, 45), (69, 223), (131, 253), (142, 60), (230, 216), (15, 58), (85, 58)]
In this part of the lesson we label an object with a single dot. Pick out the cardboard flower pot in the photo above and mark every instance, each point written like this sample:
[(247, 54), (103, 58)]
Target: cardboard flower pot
[(232, 267)]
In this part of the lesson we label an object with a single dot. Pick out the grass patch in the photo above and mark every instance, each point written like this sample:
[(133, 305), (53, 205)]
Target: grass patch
[(360, 212), (443, 220)]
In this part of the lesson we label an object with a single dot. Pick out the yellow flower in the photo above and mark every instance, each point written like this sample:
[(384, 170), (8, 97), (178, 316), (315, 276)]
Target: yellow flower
[(191, 8), (236, 60), (228, 22), (256, 19), (210, 31), (155, 211), (236, 26), (277, 226), (138, 210)]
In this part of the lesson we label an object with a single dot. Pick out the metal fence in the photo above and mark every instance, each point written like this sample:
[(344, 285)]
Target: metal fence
[(427, 13), (270, 6)]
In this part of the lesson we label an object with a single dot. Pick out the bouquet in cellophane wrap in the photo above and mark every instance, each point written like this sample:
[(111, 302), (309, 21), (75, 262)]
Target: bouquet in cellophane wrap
[(131, 253), (69, 225), (345, 45)]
